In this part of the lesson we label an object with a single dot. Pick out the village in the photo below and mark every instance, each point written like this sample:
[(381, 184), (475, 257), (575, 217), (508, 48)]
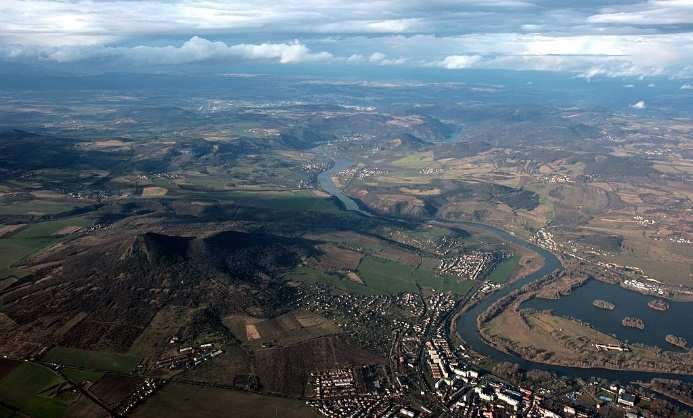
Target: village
[(468, 266)]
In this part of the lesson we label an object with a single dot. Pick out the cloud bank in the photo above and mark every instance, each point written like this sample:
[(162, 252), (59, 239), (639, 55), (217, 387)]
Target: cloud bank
[(617, 38), (195, 50)]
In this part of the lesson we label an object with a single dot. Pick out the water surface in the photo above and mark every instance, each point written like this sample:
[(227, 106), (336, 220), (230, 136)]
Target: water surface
[(678, 320), (466, 325)]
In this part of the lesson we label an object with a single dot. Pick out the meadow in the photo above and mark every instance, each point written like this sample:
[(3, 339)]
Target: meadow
[(95, 360), (292, 200), (30, 240), (390, 277), (28, 388), (383, 277), (183, 400), (504, 270)]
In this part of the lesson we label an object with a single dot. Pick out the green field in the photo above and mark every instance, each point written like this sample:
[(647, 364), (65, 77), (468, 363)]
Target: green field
[(502, 272), (28, 388), (95, 360), (193, 401), (384, 276), (30, 240), (42, 207), (381, 277), (417, 160), (79, 375), (313, 276), (299, 200)]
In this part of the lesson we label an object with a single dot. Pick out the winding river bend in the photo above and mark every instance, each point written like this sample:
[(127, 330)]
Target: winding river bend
[(326, 184), (466, 324)]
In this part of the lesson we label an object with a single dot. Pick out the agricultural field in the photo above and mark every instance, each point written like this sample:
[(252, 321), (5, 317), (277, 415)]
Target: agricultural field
[(310, 276), (34, 390), (225, 368), (31, 239), (95, 360), (112, 389), (382, 276), (336, 258), (297, 200), (31, 205), (153, 191), (285, 329), (147, 223), (185, 400), (165, 324), (77, 376), (415, 161), (352, 240), (504, 270)]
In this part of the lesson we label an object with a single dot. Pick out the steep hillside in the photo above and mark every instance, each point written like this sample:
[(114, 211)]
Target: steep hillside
[(103, 294)]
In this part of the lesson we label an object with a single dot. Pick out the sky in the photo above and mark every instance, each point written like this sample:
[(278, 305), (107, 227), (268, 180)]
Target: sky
[(587, 38)]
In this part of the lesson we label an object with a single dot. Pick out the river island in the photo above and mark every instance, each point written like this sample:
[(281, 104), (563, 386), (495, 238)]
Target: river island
[(633, 322), (658, 305), (677, 341), (602, 304)]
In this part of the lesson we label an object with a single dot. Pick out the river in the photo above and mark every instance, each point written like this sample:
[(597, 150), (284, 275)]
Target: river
[(467, 329), (326, 184), (677, 320), (466, 324)]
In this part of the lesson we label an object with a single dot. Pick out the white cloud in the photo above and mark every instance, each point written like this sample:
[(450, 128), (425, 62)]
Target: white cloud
[(579, 37), (587, 55), (285, 53), (531, 28), (382, 59), (377, 57), (195, 50), (372, 26), (457, 62), (639, 105), (356, 58), (76, 22), (687, 87), (652, 12)]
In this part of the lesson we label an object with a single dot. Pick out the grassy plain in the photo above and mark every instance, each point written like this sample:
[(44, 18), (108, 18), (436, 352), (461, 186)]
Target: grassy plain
[(384, 276), (504, 270), (30, 240), (183, 400), (80, 375), (416, 160), (27, 388), (285, 329), (310, 275), (96, 360), (553, 339), (293, 200), (36, 207)]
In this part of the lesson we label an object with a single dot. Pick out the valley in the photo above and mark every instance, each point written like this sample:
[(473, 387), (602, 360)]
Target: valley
[(168, 252)]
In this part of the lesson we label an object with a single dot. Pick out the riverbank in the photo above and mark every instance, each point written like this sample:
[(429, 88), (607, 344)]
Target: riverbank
[(658, 324), (467, 330), (539, 336), (673, 389), (529, 261), (464, 323)]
